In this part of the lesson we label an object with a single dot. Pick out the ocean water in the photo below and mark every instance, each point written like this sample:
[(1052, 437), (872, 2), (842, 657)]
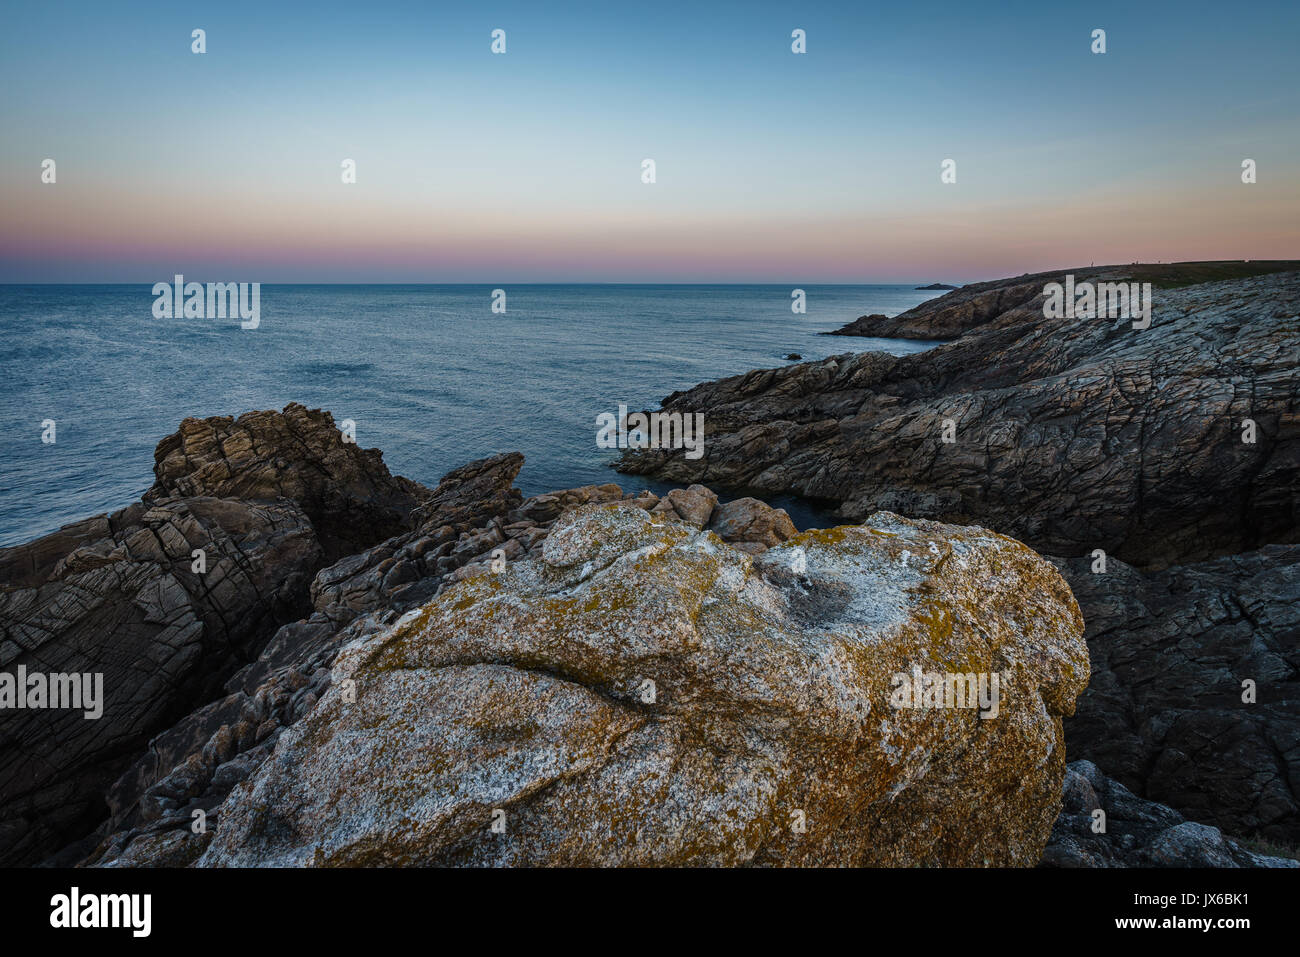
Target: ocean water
[(429, 373)]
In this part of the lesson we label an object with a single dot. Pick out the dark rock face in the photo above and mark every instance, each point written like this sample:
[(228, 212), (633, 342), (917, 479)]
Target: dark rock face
[(1068, 434), (1134, 832), (348, 493), (268, 498), (469, 495), (948, 317), (117, 595), (1164, 713)]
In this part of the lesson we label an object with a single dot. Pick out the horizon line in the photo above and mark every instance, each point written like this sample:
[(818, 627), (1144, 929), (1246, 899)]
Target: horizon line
[(147, 282), (915, 284)]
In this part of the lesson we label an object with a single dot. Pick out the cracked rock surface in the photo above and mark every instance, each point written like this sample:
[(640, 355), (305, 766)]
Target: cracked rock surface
[(1164, 713), (268, 498), (1135, 833), (348, 493), (1069, 434), (117, 595)]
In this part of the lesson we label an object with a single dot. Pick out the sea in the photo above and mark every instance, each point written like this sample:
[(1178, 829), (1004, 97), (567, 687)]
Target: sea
[(429, 374)]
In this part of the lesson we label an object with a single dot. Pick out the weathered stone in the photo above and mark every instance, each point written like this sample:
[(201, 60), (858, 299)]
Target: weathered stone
[(1165, 713), (529, 692), (349, 494), (1068, 434), (470, 495), (691, 505), (162, 635), (750, 522), (1132, 832)]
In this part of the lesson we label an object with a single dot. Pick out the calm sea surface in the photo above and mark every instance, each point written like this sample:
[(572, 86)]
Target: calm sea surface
[(429, 374)]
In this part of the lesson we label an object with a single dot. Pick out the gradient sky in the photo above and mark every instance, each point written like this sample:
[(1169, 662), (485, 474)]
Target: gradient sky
[(526, 167)]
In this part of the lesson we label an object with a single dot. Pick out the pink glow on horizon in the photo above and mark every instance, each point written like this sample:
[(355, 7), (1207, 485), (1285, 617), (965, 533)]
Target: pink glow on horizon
[(144, 238)]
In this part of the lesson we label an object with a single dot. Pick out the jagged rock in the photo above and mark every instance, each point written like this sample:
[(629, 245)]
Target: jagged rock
[(1136, 833), (194, 765), (470, 495), (268, 497), (349, 494), (1165, 714), (1069, 434), (118, 595), (447, 534), (530, 692)]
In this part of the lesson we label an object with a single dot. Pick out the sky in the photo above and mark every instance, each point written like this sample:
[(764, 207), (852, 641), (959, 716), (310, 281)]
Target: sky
[(526, 166)]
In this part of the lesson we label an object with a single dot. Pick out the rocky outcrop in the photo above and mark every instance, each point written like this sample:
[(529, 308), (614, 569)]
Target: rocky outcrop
[(1195, 694), (120, 596), (348, 493), (194, 764), (641, 692), (957, 313), (1068, 434), (982, 304), (167, 599), (1131, 832)]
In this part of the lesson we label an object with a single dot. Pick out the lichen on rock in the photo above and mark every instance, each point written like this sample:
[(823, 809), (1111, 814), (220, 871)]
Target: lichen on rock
[(643, 693)]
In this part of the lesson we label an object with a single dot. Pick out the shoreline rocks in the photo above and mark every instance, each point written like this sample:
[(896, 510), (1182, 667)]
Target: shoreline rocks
[(1070, 435), (169, 597), (700, 579), (297, 454)]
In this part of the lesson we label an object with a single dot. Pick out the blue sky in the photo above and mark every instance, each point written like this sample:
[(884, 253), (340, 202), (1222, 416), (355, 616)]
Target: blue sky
[(525, 167)]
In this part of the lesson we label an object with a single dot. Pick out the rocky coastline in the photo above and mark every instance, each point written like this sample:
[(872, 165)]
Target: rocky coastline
[(312, 661), (1158, 469)]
